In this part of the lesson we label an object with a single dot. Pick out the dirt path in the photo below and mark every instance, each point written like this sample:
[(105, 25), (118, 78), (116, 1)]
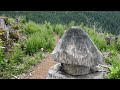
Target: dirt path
[(40, 71)]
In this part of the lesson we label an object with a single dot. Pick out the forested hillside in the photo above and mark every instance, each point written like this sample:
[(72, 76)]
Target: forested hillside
[(26, 40), (107, 20)]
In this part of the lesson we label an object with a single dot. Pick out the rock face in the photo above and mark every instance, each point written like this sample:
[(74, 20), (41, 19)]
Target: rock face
[(77, 53), (2, 23), (76, 47), (56, 73)]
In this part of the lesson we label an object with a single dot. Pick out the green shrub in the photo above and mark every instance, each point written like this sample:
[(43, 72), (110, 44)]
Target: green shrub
[(114, 69), (59, 29), (39, 40), (31, 27), (98, 39), (115, 72), (72, 23), (16, 56), (114, 61), (41, 36), (1, 55), (48, 25), (23, 19)]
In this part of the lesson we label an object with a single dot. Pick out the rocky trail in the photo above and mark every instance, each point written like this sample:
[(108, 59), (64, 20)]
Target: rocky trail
[(40, 71)]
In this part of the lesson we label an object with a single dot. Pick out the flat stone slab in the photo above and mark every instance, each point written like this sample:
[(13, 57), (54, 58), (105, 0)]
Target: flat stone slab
[(75, 69), (56, 73)]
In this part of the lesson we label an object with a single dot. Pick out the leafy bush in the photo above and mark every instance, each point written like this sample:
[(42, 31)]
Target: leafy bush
[(31, 27), (59, 29), (1, 55), (115, 72), (16, 55), (114, 69), (114, 61), (72, 23), (39, 40), (23, 19), (98, 39), (100, 42)]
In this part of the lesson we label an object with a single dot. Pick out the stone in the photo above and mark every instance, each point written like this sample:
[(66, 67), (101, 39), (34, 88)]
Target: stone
[(77, 57), (76, 47), (56, 73), (2, 23), (75, 69)]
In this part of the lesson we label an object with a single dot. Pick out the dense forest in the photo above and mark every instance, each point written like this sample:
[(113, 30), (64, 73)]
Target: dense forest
[(106, 21)]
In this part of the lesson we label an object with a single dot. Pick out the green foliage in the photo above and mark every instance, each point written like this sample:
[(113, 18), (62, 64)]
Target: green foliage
[(41, 37), (31, 27), (114, 61), (109, 20), (59, 29), (72, 23), (39, 40), (115, 68), (1, 54), (9, 21), (16, 55), (16, 26), (115, 72), (98, 39), (22, 47), (23, 19), (100, 42)]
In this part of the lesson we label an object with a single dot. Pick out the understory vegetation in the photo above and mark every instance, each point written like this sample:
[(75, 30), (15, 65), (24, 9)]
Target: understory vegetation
[(29, 42), (112, 51), (25, 46)]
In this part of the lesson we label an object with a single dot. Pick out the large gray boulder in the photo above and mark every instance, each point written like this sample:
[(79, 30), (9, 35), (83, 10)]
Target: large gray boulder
[(76, 47), (77, 55)]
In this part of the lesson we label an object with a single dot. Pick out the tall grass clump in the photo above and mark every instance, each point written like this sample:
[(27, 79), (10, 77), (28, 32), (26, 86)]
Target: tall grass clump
[(41, 39)]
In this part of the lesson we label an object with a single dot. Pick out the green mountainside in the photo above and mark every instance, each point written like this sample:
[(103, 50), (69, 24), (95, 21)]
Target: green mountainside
[(109, 20), (25, 41)]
